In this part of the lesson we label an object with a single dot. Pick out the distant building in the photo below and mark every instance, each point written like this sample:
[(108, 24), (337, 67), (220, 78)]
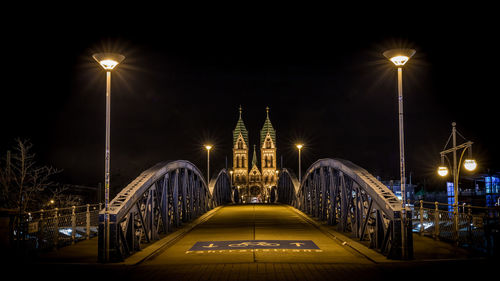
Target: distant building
[(395, 187), (486, 190), (254, 183)]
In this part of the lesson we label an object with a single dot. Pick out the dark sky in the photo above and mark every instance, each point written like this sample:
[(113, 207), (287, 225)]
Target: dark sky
[(184, 76)]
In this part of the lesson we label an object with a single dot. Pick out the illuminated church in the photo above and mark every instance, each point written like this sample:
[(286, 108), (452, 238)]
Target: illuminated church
[(254, 181)]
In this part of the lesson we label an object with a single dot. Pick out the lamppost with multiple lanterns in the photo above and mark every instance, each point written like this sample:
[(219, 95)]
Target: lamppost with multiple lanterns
[(469, 164)]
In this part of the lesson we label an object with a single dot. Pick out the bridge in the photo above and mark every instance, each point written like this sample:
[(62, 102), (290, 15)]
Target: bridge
[(332, 190), (339, 223)]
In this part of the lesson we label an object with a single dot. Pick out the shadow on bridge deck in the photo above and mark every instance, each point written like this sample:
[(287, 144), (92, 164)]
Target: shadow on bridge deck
[(338, 256)]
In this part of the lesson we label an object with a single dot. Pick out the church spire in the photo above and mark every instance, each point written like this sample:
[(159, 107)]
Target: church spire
[(267, 129), (254, 157), (240, 129)]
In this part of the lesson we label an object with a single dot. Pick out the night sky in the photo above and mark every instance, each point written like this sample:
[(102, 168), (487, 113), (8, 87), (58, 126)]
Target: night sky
[(184, 77)]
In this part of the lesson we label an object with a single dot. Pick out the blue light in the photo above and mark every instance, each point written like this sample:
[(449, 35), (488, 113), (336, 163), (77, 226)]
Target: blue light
[(451, 195)]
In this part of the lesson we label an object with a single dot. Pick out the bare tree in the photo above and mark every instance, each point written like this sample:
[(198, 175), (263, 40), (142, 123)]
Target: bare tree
[(22, 181), (61, 198)]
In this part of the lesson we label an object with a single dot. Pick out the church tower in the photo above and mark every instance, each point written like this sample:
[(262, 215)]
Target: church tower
[(240, 153), (268, 153)]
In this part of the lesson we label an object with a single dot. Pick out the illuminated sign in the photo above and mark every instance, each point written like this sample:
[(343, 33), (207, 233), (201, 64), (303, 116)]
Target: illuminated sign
[(254, 244)]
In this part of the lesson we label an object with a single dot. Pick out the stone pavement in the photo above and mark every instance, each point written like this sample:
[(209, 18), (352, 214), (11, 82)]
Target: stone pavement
[(338, 257)]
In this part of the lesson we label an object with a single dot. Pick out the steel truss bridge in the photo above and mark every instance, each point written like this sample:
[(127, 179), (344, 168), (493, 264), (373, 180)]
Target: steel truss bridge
[(333, 190)]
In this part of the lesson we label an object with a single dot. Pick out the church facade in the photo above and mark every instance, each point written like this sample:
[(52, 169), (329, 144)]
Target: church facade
[(254, 180)]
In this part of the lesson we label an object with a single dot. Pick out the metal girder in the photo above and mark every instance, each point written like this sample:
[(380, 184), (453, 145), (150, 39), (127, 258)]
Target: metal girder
[(159, 199), (287, 187), (349, 197)]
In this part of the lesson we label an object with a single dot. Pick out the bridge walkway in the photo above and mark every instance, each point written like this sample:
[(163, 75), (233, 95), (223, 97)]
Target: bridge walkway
[(338, 257)]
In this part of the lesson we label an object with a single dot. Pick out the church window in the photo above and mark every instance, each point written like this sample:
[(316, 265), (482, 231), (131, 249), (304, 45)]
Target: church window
[(240, 144), (268, 143)]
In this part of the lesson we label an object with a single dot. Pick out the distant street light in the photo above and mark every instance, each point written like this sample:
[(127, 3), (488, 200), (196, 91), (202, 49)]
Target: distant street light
[(231, 177), (108, 61), (469, 164), (299, 146), (208, 147), (399, 57)]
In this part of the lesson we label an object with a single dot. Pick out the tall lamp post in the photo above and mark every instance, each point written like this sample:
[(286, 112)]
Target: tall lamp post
[(231, 177), (299, 146), (399, 57), (469, 164), (208, 147), (108, 61)]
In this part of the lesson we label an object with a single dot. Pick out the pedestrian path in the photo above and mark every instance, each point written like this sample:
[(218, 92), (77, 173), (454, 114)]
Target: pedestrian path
[(282, 235), (263, 242)]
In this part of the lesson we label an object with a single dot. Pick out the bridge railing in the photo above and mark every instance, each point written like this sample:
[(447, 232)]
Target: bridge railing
[(54, 228), (478, 227)]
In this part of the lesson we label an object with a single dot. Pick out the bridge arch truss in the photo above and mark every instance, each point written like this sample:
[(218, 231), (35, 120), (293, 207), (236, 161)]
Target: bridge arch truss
[(158, 200), (346, 195)]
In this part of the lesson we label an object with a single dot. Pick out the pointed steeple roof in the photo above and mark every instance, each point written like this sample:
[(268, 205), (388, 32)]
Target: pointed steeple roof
[(240, 128), (267, 128), (254, 157)]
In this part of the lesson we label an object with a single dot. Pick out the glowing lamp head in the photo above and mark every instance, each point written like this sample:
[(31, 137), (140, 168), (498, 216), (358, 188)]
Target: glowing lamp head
[(208, 147), (108, 61), (399, 60), (299, 146), (442, 171), (399, 56), (470, 164)]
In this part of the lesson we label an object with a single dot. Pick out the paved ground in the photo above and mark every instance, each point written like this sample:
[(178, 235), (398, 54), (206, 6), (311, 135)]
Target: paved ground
[(338, 257)]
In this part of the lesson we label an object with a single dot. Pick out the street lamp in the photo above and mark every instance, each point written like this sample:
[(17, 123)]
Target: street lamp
[(231, 177), (400, 57), (108, 61), (299, 146), (208, 147), (442, 171), (469, 164)]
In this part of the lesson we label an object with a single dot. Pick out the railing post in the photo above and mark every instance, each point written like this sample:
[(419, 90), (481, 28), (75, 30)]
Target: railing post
[(469, 225), (422, 218), (436, 220), (56, 227), (409, 235), (455, 222), (88, 222), (73, 224), (41, 228)]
